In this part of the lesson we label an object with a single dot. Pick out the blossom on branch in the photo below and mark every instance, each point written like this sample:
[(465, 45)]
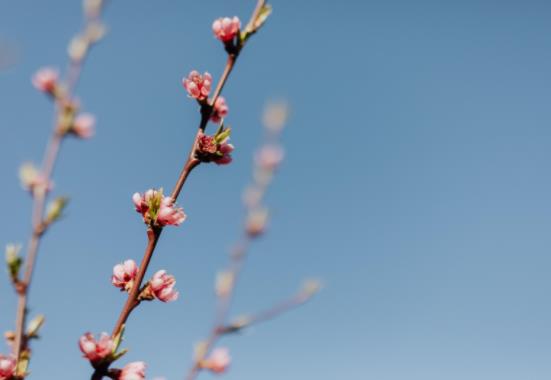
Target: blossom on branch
[(218, 361), (133, 371), (96, 350), (83, 126), (7, 367), (162, 286), (269, 157), (124, 275), (158, 210), (220, 110), (214, 148), (197, 85), (225, 28), (32, 179), (45, 80)]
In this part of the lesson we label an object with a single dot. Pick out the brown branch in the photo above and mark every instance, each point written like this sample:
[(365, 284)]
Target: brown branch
[(39, 199), (191, 163)]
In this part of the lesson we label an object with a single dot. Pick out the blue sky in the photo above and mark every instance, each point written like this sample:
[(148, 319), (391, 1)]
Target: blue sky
[(416, 186)]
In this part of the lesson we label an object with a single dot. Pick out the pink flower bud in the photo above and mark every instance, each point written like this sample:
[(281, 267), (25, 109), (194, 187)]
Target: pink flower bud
[(162, 286), (96, 351), (269, 157), (133, 371), (225, 29), (7, 367), (156, 209), (197, 85), (124, 275), (33, 180), (45, 79), (169, 214), (83, 126), (218, 361), (220, 110)]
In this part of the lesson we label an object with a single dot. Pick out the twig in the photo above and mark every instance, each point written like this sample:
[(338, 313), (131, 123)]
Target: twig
[(190, 164), (38, 227)]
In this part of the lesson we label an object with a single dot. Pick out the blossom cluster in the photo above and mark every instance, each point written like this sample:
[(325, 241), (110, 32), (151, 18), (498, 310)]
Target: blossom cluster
[(157, 209), (161, 286), (80, 125)]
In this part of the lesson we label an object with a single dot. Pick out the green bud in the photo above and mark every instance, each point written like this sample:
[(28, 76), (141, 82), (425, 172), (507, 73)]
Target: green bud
[(55, 209), (34, 326), (13, 260)]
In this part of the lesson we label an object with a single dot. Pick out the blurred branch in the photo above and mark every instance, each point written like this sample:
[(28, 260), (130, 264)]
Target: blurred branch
[(64, 103)]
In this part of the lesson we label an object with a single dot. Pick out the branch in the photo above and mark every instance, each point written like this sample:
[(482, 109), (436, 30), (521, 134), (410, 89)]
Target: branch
[(191, 163), (39, 225)]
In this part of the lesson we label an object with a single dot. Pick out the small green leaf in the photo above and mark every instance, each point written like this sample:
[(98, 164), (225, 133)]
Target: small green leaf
[(55, 209), (263, 15)]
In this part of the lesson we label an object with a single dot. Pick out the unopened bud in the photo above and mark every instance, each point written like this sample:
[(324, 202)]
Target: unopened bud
[(275, 116), (55, 209), (224, 283), (96, 31), (13, 260), (34, 326), (77, 48), (256, 222)]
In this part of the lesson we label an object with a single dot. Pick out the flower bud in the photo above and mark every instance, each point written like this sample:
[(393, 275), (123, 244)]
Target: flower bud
[(55, 209), (225, 28), (224, 283), (8, 365), (269, 157), (13, 261), (83, 126), (197, 85), (158, 210), (45, 80), (256, 222), (133, 371), (124, 275), (218, 361), (32, 180), (162, 286), (220, 110), (215, 148), (96, 351), (34, 326)]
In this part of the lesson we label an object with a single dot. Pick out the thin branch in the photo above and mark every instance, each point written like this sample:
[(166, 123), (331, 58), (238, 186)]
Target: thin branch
[(189, 165), (39, 199)]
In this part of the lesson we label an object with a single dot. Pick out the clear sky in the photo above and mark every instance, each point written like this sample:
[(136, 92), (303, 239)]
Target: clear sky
[(417, 186)]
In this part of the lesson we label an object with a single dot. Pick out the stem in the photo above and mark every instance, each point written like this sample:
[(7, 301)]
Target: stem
[(190, 164), (39, 200)]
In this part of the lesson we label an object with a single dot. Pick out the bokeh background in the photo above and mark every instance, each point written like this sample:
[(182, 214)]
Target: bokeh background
[(417, 185)]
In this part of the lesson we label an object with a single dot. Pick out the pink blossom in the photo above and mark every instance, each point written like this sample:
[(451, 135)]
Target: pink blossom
[(157, 209), (218, 361), (7, 367), (162, 286), (220, 110), (197, 85), (96, 351), (212, 149), (83, 126), (225, 28), (169, 214), (124, 275), (45, 79), (133, 371), (269, 157)]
